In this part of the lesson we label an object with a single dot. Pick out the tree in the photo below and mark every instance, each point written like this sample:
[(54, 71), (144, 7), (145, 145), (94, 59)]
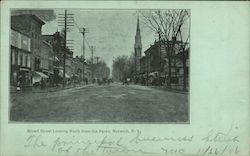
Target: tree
[(119, 67), (169, 25), (99, 70), (123, 67)]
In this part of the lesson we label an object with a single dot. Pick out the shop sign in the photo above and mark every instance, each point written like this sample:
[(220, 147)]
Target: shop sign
[(20, 41)]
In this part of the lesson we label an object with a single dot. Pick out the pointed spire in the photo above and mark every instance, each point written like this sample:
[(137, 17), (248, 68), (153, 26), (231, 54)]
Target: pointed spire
[(138, 26), (138, 34)]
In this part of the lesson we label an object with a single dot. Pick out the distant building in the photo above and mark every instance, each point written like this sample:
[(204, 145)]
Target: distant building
[(68, 64), (77, 66), (143, 65), (137, 48), (47, 58), (57, 42)]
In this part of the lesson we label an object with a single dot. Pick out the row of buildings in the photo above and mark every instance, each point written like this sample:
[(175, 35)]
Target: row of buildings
[(35, 56), (155, 65)]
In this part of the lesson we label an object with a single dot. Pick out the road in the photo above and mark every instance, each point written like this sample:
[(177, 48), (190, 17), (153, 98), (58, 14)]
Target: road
[(106, 103)]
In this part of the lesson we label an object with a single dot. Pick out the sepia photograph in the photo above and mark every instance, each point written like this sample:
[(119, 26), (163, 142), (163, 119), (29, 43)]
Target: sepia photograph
[(99, 66)]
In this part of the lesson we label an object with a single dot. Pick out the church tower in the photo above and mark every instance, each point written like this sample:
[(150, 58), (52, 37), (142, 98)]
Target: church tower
[(138, 47)]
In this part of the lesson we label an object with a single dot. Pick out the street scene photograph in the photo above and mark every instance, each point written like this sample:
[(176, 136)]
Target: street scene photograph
[(99, 66)]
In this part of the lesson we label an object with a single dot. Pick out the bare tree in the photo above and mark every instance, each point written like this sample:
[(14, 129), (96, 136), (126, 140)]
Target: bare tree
[(169, 25), (123, 67)]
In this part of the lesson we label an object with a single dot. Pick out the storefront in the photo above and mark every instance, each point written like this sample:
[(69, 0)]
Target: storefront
[(20, 72), (21, 76)]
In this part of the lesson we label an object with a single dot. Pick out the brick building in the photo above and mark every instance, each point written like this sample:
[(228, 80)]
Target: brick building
[(20, 59), (47, 58), (30, 25), (155, 62)]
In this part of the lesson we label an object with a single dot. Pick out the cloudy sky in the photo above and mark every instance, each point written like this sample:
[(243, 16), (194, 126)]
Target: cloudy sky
[(112, 32)]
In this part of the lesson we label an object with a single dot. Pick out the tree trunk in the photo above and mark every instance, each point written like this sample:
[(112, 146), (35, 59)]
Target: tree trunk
[(184, 60)]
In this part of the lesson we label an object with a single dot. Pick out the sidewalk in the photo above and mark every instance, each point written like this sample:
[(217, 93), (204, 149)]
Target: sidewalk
[(170, 89), (38, 89), (165, 88)]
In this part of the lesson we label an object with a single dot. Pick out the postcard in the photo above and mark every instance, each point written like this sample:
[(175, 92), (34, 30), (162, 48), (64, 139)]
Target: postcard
[(82, 78)]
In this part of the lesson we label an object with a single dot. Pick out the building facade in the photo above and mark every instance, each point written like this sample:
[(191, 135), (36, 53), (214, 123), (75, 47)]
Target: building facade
[(156, 63), (20, 68), (47, 58), (30, 25), (77, 66)]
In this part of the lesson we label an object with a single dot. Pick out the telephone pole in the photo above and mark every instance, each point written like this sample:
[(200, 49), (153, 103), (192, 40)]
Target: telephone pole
[(83, 31), (97, 59), (92, 61), (66, 20)]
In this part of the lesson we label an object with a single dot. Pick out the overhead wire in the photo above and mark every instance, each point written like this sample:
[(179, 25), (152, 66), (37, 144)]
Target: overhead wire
[(79, 29)]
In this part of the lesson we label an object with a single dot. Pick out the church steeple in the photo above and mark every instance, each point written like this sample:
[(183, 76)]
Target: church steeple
[(138, 47), (138, 35), (138, 27)]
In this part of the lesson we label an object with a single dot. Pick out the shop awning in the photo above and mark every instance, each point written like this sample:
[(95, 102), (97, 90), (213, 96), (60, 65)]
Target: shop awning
[(153, 74), (40, 74), (37, 76), (61, 74)]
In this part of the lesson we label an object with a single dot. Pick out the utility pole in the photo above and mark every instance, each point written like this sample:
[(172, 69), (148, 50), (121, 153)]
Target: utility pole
[(83, 31), (97, 59), (92, 54), (98, 68), (65, 20), (65, 46), (92, 61)]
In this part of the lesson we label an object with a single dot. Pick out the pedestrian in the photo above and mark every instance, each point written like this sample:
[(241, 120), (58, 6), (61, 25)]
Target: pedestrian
[(42, 83), (18, 88)]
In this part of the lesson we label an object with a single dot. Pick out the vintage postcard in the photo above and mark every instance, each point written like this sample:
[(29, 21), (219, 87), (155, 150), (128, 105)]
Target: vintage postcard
[(124, 78)]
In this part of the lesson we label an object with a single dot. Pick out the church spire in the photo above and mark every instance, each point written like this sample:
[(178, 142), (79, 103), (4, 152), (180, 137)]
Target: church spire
[(138, 27), (138, 47), (138, 35)]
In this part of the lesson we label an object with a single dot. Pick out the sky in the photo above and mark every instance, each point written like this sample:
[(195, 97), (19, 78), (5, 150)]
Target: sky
[(111, 32)]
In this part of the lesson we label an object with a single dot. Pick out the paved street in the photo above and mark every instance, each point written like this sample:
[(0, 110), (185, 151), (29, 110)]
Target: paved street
[(106, 103)]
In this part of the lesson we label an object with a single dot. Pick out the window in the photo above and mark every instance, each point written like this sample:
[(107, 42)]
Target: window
[(177, 70), (16, 58), (21, 59), (12, 56), (26, 61)]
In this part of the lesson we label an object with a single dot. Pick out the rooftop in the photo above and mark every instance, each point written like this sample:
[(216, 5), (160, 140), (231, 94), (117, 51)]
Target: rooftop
[(31, 16)]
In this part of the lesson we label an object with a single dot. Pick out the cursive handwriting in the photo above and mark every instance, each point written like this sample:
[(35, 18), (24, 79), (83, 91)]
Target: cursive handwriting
[(137, 143), (220, 137), (138, 139), (34, 141), (106, 145), (115, 147), (173, 151)]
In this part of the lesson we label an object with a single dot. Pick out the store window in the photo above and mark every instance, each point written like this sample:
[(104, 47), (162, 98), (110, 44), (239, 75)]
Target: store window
[(26, 61), (16, 58), (21, 60)]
